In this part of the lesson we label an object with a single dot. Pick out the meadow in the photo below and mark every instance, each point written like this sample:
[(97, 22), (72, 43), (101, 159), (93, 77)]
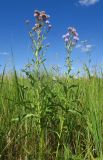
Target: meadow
[(44, 116)]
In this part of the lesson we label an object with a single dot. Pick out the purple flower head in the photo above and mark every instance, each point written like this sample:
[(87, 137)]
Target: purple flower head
[(50, 26), (67, 35), (66, 39), (76, 38), (36, 24), (41, 15), (76, 34), (43, 12), (73, 29), (69, 28), (36, 13), (42, 20), (71, 37), (47, 22)]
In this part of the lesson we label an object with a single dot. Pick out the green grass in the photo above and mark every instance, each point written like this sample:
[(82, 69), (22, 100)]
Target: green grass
[(51, 118)]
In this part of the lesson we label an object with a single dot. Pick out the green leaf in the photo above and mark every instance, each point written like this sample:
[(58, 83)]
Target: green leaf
[(15, 119), (29, 115)]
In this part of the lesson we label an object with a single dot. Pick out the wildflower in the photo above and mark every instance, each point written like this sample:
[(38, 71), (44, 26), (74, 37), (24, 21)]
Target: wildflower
[(49, 26), (76, 34), (42, 18), (36, 13), (66, 39), (47, 22), (37, 26), (42, 22), (67, 35), (42, 12), (73, 30), (38, 34), (43, 15), (39, 18), (76, 38), (70, 29), (71, 36)]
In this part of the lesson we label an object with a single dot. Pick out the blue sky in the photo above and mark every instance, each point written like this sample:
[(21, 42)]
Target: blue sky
[(84, 15)]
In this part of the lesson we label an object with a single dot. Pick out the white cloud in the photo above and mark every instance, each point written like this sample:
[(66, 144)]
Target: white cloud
[(78, 46), (4, 53), (88, 2), (84, 46), (87, 48)]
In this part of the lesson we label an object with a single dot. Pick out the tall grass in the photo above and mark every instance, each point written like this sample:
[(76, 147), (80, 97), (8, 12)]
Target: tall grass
[(51, 118)]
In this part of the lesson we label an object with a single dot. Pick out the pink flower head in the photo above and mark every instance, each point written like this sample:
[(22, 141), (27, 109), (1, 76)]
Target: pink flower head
[(43, 12), (67, 35), (41, 16), (49, 26), (76, 34), (47, 22), (36, 13), (66, 39), (71, 37), (69, 28), (41, 20), (73, 29), (76, 38)]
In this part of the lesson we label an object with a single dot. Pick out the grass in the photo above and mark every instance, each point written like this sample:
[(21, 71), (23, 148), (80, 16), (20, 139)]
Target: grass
[(51, 118)]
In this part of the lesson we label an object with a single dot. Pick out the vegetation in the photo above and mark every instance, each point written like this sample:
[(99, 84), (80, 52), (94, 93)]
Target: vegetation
[(44, 116)]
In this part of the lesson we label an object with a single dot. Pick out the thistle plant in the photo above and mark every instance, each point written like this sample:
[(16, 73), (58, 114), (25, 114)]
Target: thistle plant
[(71, 38), (37, 35)]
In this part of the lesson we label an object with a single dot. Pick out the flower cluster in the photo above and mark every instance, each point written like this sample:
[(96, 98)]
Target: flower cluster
[(71, 37), (38, 34), (42, 19)]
